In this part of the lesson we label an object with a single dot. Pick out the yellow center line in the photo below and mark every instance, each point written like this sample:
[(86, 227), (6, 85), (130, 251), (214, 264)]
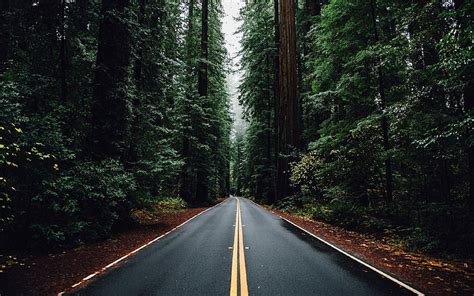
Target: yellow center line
[(243, 270), (233, 277), (240, 261)]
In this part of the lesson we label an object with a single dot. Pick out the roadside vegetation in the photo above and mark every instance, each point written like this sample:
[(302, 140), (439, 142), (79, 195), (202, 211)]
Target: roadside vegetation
[(112, 112), (153, 210), (384, 118), (436, 229), (116, 112)]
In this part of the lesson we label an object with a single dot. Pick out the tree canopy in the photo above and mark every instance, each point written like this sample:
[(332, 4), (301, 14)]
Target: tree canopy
[(102, 113), (385, 105)]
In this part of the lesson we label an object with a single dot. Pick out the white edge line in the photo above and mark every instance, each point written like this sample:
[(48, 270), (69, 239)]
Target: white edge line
[(360, 261), (138, 249), (404, 285)]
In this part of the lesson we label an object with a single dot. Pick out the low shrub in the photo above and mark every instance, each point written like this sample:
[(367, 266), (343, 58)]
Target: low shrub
[(435, 228), (171, 204), (83, 204)]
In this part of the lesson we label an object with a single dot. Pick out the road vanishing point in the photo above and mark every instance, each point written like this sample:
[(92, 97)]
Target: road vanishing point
[(239, 248)]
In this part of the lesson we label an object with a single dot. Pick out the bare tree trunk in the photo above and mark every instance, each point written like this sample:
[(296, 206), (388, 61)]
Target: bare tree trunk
[(110, 105), (288, 130)]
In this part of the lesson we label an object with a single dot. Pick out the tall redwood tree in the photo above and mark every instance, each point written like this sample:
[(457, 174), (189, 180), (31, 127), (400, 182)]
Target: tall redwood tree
[(288, 123), (202, 190), (111, 103)]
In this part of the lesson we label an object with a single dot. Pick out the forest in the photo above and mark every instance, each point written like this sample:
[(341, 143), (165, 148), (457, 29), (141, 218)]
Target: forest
[(359, 113), (107, 106)]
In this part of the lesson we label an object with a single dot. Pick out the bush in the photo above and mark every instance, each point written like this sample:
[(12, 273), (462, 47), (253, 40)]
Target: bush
[(349, 215), (171, 204), (436, 228), (439, 228), (345, 165), (156, 207), (24, 167), (288, 204), (83, 204)]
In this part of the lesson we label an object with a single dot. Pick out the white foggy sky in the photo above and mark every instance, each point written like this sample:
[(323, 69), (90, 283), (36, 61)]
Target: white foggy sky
[(232, 43)]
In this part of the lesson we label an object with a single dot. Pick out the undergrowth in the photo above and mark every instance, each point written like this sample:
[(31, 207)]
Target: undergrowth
[(434, 228), (155, 208)]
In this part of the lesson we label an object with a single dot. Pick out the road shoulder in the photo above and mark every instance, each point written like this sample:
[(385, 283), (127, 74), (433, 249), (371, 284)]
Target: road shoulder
[(431, 275), (53, 273)]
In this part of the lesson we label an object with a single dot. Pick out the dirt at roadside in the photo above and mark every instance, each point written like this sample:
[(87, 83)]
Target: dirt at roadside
[(53, 273), (430, 275)]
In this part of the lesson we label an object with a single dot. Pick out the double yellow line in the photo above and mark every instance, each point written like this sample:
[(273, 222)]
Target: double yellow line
[(238, 258)]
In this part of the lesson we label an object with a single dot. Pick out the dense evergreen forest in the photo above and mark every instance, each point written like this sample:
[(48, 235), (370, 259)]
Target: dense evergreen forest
[(360, 113), (107, 106)]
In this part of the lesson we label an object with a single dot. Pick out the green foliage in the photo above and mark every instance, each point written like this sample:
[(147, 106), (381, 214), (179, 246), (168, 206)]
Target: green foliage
[(424, 57), (343, 165), (289, 204), (16, 160), (75, 159), (172, 204), (205, 122), (256, 165), (154, 208), (8, 153), (437, 228), (82, 204)]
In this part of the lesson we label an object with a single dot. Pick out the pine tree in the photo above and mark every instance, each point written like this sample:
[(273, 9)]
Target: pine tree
[(258, 97)]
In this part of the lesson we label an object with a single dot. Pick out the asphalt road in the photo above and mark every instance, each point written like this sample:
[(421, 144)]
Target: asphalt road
[(263, 255)]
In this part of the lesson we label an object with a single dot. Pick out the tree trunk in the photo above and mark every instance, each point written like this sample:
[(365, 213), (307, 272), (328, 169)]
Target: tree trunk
[(110, 105), (299, 81), (276, 91), (139, 60), (202, 190), (82, 11), (288, 132), (469, 107), (468, 96), (269, 133), (186, 191), (203, 68), (385, 124), (62, 52), (133, 154)]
